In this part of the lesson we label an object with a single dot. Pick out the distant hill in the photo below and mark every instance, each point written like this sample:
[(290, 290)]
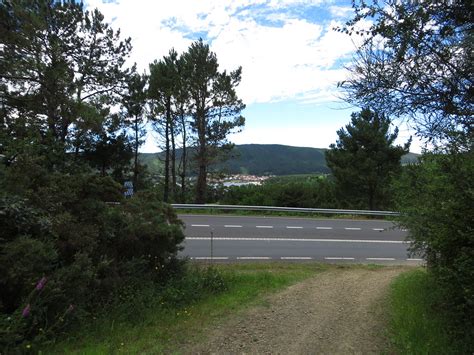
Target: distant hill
[(275, 159), (268, 159)]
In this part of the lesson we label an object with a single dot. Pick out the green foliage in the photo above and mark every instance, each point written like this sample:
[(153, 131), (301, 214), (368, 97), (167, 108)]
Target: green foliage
[(435, 198), (193, 285), (308, 192), (64, 158), (215, 106), (60, 69), (84, 247), (416, 62), (364, 160), (417, 321)]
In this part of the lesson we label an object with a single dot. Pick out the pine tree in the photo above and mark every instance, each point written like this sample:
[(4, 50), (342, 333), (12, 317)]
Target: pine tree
[(162, 89), (133, 101), (61, 68), (215, 108), (364, 159)]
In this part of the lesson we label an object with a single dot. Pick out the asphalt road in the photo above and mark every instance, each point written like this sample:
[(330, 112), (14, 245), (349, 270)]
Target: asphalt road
[(299, 239)]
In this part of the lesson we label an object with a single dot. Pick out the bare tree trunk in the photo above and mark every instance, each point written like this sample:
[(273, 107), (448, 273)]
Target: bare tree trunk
[(183, 160), (167, 151), (135, 165), (173, 161), (202, 161)]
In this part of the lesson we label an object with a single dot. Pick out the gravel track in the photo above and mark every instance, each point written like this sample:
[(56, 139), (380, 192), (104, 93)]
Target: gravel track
[(340, 311)]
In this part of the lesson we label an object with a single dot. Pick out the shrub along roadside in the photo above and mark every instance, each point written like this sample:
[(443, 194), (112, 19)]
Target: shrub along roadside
[(436, 203), (65, 253), (418, 324), (157, 319)]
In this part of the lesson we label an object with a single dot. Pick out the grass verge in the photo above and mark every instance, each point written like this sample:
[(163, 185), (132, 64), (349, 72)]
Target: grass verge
[(416, 326), (170, 320)]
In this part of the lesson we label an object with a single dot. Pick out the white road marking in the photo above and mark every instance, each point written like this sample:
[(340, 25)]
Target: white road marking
[(264, 226), (352, 229), (210, 258), (414, 259), (378, 229), (303, 240), (404, 230), (232, 226), (323, 227), (293, 227), (296, 258), (253, 257), (381, 259), (200, 225), (337, 258)]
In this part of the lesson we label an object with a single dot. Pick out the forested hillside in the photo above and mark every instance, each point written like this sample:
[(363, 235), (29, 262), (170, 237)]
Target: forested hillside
[(267, 159)]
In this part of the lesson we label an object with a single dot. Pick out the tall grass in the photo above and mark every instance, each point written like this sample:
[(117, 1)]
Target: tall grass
[(417, 322)]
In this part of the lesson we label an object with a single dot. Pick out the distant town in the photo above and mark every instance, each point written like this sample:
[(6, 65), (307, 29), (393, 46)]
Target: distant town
[(240, 179)]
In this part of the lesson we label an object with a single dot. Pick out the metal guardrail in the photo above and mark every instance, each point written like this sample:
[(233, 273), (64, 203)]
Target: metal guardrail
[(283, 209)]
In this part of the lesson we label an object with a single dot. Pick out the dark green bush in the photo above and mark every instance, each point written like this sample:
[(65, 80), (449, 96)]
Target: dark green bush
[(436, 200), (85, 248), (307, 191)]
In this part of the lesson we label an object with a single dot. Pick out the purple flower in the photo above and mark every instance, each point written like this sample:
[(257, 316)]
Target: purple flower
[(26, 311), (41, 283)]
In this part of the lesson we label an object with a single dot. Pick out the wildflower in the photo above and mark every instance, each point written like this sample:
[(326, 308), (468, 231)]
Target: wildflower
[(26, 311), (70, 308), (28, 346), (41, 283)]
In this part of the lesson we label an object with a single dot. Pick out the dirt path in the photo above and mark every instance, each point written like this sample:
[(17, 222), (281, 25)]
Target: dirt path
[(336, 312)]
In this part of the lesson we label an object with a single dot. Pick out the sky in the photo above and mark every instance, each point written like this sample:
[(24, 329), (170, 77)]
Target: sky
[(290, 55)]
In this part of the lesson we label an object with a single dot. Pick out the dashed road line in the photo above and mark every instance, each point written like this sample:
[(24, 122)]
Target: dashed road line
[(232, 226), (210, 258), (411, 259), (352, 229), (296, 258), (264, 226), (200, 225), (302, 240), (378, 229), (294, 227), (253, 258), (380, 259), (324, 228), (338, 258)]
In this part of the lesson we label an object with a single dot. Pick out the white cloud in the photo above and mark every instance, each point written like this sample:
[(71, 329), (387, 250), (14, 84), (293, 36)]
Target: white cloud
[(296, 59), (341, 11)]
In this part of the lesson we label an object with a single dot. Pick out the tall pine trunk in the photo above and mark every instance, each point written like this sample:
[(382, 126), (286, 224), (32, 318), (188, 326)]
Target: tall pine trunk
[(173, 161), (167, 151), (135, 163), (201, 160), (183, 161)]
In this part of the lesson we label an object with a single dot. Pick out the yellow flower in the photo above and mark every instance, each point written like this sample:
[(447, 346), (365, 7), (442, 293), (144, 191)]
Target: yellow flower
[(28, 346)]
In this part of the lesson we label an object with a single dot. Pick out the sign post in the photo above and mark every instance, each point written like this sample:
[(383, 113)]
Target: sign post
[(128, 188)]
